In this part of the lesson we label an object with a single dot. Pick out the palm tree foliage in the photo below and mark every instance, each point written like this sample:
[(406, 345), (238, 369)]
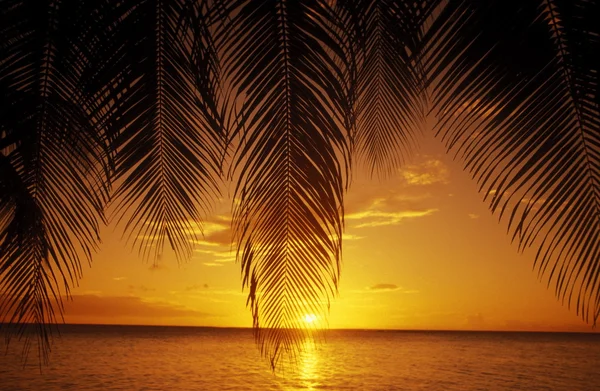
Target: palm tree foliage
[(156, 96), (519, 104), (54, 162), (389, 91), (291, 161)]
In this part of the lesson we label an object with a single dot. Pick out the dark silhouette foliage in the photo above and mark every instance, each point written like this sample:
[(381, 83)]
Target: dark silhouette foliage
[(147, 105)]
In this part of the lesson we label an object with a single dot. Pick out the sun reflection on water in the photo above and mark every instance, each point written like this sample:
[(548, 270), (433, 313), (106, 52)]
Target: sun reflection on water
[(307, 374), (309, 365)]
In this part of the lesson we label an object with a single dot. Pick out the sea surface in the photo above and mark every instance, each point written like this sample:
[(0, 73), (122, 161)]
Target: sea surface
[(184, 358)]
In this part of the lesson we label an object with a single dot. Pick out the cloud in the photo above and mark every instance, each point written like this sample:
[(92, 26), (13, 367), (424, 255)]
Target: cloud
[(428, 172), (388, 203), (517, 201), (390, 195), (197, 291), (384, 287), (195, 287), (205, 243), (217, 256), (214, 231), (212, 264), (494, 193), (473, 216), (220, 238), (119, 278), (125, 306), (346, 236), (141, 288), (380, 218), (533, 205), (225, 260), (207, 252)]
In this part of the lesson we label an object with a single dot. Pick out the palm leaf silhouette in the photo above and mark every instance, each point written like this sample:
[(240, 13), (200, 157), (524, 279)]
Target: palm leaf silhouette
[(53, 170), (134, 91), (290, 162), (390, 105), (517, 99), (164, 125)]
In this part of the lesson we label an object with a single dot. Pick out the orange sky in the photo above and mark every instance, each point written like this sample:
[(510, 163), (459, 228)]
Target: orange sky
[(421, 251)]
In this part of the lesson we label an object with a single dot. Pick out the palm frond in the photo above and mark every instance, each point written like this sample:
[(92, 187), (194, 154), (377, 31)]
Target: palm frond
[(517, 97), (291, 162), (53, 181), (390, 104), (164, 120)]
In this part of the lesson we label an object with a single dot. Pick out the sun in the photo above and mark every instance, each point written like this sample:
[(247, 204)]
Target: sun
[(310, 318)]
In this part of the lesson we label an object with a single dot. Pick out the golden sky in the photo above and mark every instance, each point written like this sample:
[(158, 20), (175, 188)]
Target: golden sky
[(421, 251)]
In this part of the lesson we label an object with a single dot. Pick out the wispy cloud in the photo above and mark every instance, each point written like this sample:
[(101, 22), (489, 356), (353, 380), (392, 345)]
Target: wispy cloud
[(214, 231), (379, 218), (140, 288), (196, 287), (205, 243), (346, 236), (215, 257), (494, 193), (200, 290), (528, 202), (399, 199), (429, 172), (119, 278), (533, 205), (209, 227), (473, 216), (384, 287)]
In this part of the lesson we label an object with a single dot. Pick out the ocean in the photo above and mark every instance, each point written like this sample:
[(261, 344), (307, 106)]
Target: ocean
[(186, 358)]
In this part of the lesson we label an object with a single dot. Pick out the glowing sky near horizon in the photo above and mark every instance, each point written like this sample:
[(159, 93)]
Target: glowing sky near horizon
[(421, 251)]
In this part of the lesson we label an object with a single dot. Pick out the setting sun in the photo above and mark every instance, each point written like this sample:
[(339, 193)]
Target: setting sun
[(310, 318)]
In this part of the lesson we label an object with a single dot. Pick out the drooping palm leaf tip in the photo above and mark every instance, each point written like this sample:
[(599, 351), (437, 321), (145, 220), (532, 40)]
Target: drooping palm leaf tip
[(53, 179), (291, 160), (96, 91), (518, 102), (169, 139)]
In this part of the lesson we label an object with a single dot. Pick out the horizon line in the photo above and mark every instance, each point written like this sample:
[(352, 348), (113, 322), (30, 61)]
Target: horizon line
[(592, 330)]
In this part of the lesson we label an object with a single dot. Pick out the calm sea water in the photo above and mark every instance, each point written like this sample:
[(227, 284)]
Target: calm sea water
[(173, 358)]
